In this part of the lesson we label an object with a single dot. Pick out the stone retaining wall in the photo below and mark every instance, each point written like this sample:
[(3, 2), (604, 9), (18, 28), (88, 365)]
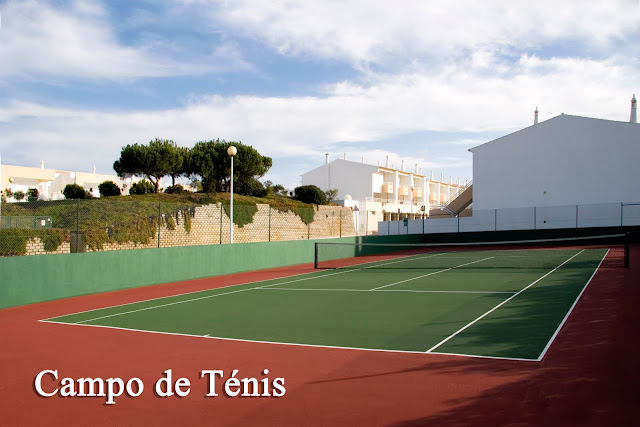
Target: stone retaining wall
[(210, 226)]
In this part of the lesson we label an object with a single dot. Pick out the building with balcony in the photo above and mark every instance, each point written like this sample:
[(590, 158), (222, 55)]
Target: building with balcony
[(382, 193)]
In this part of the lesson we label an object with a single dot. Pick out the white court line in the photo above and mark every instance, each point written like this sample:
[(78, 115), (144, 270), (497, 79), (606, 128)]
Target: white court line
[(380, 350), (571, 309), (201, 298), (179, 295), (403, 259), (208, 296), (238, 339), (386, 290), (429, 274), (501, 304)]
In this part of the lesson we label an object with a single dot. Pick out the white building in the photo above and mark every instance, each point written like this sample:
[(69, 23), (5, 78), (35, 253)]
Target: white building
[(565, 172), (382, 193), (566, 160), (51, 182)]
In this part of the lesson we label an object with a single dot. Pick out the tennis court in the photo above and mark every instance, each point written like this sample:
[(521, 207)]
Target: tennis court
[(488, 302)]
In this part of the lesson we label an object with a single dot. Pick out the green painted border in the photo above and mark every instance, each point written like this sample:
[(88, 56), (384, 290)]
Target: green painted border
[(37, 278)]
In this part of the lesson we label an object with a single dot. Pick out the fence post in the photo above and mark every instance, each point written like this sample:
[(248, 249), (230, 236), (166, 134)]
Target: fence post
[(77, 216), (495, 220), (340, 224), (221, 223), (577, 216), (366, 223), (621, 214), (535, 220), (159, 221)]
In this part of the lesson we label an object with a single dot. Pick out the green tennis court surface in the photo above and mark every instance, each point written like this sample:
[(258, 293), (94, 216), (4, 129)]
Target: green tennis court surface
[(467, 303)]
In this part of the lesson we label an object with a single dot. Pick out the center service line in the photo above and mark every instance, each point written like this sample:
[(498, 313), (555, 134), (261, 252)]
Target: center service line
[(430, 274), (501, 304)]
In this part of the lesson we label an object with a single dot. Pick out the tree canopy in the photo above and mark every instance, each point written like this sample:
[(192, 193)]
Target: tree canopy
[(207, 160), (160, 158), (210, 161)]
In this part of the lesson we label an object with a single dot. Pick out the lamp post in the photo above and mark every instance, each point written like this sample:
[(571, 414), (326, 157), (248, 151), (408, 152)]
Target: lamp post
[(231, 151)]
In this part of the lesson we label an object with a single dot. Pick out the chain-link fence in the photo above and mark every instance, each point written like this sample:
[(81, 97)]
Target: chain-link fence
[(533, 218), (70, 226)]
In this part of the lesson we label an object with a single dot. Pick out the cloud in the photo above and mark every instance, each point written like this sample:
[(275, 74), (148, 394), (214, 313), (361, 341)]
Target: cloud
[(78, 40), (365, 31), (428, 67), (458, 99)]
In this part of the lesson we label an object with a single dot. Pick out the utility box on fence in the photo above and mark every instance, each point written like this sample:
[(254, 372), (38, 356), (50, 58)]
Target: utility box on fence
[(78, 242)]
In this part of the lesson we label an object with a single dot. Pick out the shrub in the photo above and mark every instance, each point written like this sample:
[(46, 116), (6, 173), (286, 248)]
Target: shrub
[(13, 241), (279, 189), (331, 195), (251, 187), (74, 191), (109, 188), (32, 195), (18, 195), (142, 187), (51, 238), (310, 194), (175, 189)]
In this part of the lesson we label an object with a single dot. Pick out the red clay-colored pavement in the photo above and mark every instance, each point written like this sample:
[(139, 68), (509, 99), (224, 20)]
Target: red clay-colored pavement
[(589, 376)]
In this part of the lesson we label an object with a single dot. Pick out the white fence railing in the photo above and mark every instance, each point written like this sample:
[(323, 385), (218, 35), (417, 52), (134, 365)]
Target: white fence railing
[(535, 218)]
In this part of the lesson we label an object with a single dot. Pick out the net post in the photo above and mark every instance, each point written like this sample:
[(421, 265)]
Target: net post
[(315, 255), (626, 250)]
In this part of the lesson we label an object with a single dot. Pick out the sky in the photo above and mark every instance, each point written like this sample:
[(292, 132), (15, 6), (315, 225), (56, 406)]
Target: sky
[(420, 81)]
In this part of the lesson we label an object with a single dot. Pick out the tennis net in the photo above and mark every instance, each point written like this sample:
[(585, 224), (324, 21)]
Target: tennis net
[(523, 254)]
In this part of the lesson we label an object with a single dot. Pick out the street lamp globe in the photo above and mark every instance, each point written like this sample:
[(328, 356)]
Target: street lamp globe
[(232, 150)]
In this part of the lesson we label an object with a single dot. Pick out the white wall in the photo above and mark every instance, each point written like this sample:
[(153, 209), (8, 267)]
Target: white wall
[(566, 160), (352, 178)]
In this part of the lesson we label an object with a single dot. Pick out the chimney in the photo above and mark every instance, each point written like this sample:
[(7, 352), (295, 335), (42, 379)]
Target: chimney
[(345, 156), (535, 117), (634, 109), (363, 159), (94, 169), (326, 158), (402, 166), (41, 164), (387, 164)]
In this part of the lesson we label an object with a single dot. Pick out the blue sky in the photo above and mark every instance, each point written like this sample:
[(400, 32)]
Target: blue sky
[(420, 81)]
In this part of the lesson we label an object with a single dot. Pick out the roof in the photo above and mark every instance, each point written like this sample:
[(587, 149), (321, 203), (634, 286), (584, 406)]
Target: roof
[(338, 161), (562, 119)]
